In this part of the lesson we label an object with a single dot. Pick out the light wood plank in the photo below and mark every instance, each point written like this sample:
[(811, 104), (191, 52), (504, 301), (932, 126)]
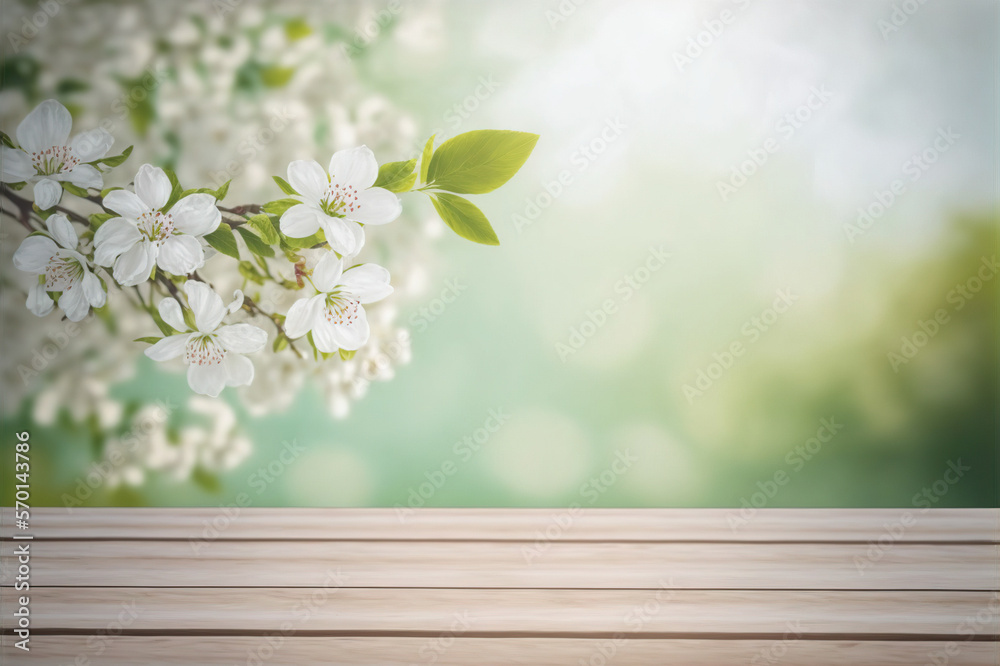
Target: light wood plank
[(543, 612), (795, 525), (503, 564), (448, 651)]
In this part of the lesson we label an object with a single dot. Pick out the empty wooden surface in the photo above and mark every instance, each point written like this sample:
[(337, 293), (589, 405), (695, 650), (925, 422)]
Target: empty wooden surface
[(326, 586)]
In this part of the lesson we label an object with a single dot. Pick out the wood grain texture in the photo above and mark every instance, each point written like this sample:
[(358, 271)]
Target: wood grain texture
[(539, 587), (603, 525), (382, 651), (634, 612), (503, 565)]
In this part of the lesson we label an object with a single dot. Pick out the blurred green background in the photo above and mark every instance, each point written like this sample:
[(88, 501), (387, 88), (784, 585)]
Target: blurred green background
[(643, 108)]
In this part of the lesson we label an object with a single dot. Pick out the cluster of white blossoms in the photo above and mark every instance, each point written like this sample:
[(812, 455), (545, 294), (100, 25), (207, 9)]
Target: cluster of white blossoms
[(147, 446), (219, 95), (151, 235), (182, 68)]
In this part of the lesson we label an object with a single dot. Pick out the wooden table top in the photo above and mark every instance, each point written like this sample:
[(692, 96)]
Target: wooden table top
[(504, 586)]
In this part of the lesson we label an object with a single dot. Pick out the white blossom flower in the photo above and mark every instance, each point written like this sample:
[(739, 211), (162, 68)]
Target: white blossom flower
[(340, 201), (46, 156), (64, 269), (146, 235), (212, 352), (335, 315)]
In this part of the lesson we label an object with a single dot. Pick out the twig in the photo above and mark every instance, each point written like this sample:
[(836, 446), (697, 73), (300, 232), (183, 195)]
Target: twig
[(253, 308), (242, 209), (25, 207)]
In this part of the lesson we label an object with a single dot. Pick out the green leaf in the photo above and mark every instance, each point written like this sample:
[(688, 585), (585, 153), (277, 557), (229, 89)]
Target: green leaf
[(262, 223), (175, 189), (108, 190), (296, 29), (280, 342), (464, 218), (141, 112), (312, 343), (74, 190), (69, 86), (317, 354), (480, 161), (6, 140), (164, 327), (250, 272), (17, 187), (20, 72), (219, 194), (283, 184), (97, 219), (279, 206), (222, 239), (307, 242), (149, 339), (346, 355), (254, 243), (425, 158), (206, 480), (397, 176), (115, 160), (189, 319), (275, 76)]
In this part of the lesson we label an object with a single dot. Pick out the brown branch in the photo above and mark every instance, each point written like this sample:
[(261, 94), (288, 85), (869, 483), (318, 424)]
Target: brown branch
[(171, 287), (25, 207), (242, 209), (253, 308)]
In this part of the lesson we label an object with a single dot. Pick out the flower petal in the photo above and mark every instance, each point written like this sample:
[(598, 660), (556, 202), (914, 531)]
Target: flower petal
[(91, 145), (47, 193), (46, 126), (181, 255), (152, 186), (169, 347), (126, 204), (355, 166), (94, 290), (74, 302), (343, 235), (323, 336), (113, 238), (376, 206), (330, 337), (15, 165), (61, 229), (239, 370), (359, 237), (355, 335), (34, 254), (301, 221), (196, 214), (134, 266), (39, 303), (242, 338), (170, 312), (207, 379), (206, 304), (237, 302), (84, 175), (308, 179), (367, 282), (302, 315), (327, 273)]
